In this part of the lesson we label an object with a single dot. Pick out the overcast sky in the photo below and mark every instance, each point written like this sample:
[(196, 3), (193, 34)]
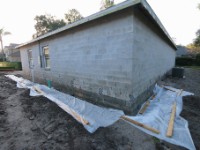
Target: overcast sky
[(181, 18)]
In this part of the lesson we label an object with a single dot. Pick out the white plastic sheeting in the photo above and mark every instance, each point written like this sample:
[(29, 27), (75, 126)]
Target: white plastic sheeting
[(95, 115), (156, 115)]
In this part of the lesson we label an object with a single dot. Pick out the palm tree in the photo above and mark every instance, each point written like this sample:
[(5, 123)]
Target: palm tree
[(2, 33)]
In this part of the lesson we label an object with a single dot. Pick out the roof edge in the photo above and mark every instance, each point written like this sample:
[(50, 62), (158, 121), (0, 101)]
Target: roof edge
[(157, 20), (97, 15), (105, 12)]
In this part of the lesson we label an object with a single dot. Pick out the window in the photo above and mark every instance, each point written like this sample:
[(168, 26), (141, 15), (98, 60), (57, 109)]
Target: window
[(46, 57), (30, 58)]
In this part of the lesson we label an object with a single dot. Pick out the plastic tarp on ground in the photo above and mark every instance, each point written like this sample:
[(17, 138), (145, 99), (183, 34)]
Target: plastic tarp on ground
[(95, 115), (157, 115)]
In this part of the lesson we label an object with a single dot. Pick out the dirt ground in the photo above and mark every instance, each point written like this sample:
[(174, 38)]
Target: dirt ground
[(31, 123), (34, 123)]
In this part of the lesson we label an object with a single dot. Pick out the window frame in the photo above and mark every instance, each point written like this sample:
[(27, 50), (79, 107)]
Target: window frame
[(45, 58)]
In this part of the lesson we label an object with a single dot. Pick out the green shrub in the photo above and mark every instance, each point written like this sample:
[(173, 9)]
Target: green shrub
[(185, 61), (11, 65), (18, 65), (6, 68), (198, 56), (198, 59)]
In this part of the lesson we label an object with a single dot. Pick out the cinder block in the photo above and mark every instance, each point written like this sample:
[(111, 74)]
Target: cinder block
[(114, 61)]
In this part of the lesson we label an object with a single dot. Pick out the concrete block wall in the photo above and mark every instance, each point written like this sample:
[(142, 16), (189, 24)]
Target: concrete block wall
[(95, 58), (25, 63), (152, 55), (112, 61)]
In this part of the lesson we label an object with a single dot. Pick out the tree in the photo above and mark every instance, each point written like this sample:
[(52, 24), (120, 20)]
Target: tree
[(106, 4), (195, 46), (193, 49), (47, 23), (2, 33), (72, 16), (197, 39)]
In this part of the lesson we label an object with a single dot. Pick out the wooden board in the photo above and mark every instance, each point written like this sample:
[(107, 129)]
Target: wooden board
[(21, 81), (144, 107), (37, 90), (73, 113), (171, 121), (180, 92), (140, 125), (153, 96), (79, 118), (167, 88)]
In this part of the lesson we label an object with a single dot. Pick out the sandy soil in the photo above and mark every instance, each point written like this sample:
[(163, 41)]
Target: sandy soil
[(33, 123)]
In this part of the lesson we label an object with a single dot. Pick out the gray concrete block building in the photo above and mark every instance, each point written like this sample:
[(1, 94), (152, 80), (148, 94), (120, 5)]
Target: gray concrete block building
[(113, 57), (12, 54)]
